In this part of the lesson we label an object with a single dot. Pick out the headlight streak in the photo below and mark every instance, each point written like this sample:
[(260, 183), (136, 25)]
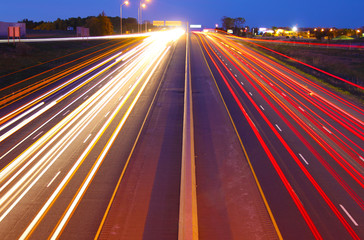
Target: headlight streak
[(83, 188), (62, 125), (32, 173), (83, 156), (82, 38), (124, 57), (88, 111), (62, 85), (60, 112), (26, 121), (2, 127), (4, 136)]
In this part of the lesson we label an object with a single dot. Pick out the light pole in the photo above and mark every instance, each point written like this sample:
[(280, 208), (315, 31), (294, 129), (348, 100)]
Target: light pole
[(140, 23), (121, 16)]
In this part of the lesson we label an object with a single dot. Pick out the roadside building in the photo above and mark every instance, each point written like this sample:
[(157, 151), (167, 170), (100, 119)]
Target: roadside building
[(4, 28)]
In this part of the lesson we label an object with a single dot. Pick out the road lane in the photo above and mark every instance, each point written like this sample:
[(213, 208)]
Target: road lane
[(66, 97), (75, 165), (230, 204), (231, 55), (277, 155), (146, 204)]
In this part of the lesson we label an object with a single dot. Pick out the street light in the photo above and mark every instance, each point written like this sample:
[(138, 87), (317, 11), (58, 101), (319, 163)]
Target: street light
[(141, 6), (121, 16)]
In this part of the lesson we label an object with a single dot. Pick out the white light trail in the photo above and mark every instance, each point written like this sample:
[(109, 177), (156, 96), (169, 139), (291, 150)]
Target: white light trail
[(53, 143)]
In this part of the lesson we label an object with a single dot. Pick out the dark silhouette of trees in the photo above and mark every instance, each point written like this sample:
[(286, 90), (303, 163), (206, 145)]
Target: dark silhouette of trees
[(227, 22), (100, 25), (239, 22), (236, 24)]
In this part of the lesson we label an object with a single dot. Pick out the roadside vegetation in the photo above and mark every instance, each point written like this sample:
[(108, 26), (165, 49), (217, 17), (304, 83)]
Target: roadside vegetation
[(32, 62), (99, 25)]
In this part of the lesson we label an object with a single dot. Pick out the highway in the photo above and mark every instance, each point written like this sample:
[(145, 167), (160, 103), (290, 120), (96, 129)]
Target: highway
[(96, 152), (304, 141), (53, 146)]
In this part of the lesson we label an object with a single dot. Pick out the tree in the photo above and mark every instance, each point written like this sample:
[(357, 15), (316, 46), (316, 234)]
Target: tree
[(30, 24), (130, 24), (239, 22), (100, 25), (106, 27), (48, 26), (94, 26), (227, 22), (60, 24)]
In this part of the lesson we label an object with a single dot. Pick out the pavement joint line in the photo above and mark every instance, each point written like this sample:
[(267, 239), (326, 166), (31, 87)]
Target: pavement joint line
[(303, 158), (348, 214), (188, 221), (37, 135), (278, 128)]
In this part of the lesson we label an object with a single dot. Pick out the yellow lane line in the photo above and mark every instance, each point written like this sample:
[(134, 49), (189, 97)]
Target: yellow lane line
[(245, 153)]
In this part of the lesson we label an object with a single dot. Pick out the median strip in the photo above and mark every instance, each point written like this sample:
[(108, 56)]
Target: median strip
[(188, 222)]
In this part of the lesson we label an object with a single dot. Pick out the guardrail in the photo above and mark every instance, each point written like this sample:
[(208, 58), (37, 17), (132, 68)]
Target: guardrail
[(188, 222)]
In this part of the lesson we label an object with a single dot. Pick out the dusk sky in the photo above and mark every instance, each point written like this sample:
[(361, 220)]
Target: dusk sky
[(263, 13)]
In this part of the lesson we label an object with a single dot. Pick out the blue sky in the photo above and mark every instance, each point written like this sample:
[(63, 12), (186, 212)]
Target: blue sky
[(262, 13)]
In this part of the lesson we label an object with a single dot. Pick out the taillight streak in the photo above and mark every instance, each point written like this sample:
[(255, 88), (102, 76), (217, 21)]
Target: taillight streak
[(269, 154), (305, 171)]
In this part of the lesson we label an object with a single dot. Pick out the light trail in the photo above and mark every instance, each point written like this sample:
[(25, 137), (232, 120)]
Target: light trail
[(82, 38), (268, 153), (340, 121), (225, 53), (116, 58), (315, 68), (61, 224), (327, 147), (27, 170)]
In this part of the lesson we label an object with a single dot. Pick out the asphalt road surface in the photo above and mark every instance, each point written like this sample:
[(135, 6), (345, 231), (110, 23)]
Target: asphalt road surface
[(305, 142), (97, 153)]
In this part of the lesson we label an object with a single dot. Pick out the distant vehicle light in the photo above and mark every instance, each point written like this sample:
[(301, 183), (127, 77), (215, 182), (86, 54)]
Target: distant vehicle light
[(195, 26)]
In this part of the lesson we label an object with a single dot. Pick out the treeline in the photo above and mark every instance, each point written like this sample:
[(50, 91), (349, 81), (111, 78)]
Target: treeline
[(100, 25), (235, 24)]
